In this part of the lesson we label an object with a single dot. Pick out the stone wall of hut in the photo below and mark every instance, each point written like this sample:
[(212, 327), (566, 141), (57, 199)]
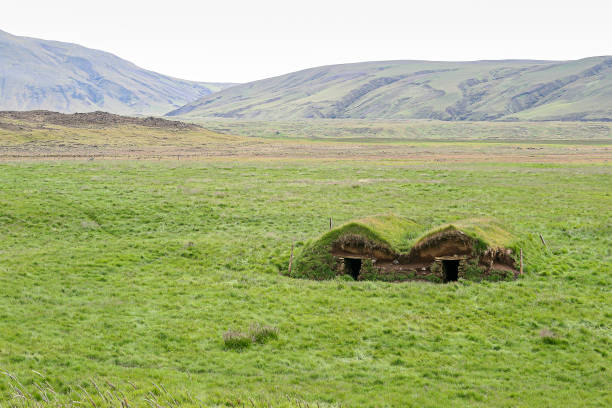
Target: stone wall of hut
[(468, 269)]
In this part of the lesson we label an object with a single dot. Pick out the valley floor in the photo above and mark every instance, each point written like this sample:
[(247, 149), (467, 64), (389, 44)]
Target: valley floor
[(338, 140), (122, 274)]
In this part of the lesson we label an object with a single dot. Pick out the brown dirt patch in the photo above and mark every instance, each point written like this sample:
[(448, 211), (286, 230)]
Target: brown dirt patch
[(440, 244), (99, 135), (352, 245), (93, 119)]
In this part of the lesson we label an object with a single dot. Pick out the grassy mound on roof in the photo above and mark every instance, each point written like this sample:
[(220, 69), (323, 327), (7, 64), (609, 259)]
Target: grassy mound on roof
[(386, 232), (393, 236), (486, 232)]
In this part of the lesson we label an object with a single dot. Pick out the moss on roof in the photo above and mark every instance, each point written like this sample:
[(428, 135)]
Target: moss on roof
[(487, 231), (397, 234), (388, 231), (391, 230)]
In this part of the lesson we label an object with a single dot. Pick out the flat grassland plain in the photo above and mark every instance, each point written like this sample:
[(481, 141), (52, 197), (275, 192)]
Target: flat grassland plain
[(127, 253)]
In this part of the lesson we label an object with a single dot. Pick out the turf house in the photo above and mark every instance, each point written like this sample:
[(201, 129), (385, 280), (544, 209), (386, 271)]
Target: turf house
[(392, 248)]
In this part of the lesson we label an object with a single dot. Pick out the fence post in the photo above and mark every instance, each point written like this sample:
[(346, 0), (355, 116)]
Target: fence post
[(291, 259), (544, 242)]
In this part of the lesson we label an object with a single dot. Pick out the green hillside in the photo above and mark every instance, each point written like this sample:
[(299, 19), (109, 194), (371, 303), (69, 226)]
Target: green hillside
[(479, 90)]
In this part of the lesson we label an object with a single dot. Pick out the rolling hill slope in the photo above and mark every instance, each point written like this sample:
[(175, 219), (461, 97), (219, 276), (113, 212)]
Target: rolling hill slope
[(40, 74), (480, 90)]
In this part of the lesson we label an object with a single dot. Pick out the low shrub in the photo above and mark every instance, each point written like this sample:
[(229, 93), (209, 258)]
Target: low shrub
[(472, 271)]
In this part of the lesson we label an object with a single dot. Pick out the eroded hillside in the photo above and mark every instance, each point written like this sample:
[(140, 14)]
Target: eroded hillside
[(479, 90)]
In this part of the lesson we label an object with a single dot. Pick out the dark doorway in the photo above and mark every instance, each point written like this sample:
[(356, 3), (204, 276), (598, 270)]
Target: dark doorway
[(451, 270), (352, 266)]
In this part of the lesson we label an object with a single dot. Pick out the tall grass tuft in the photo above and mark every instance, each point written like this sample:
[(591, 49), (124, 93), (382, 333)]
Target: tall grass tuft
[(261, 334), (104, 394), (258, 333), (236, 340), (550, 337)]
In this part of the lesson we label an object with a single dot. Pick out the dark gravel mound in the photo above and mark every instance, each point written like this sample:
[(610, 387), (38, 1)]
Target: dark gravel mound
[(93, 119)]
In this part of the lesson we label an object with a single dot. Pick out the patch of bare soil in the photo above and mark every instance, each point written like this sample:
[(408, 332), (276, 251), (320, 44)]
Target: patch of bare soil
[(444, 242), (254, 149), (20, 142), (92, 119)]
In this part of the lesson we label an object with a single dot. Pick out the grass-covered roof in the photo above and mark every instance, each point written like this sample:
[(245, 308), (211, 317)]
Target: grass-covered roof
[(394, 234), (487, 231), (389, 230), (385, 231)]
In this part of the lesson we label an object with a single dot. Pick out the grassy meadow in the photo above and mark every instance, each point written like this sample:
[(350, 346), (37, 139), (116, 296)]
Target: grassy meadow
[(121, 277), (372, 131)]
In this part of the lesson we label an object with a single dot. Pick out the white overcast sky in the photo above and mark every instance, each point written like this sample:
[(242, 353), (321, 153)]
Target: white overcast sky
[(239, 41)]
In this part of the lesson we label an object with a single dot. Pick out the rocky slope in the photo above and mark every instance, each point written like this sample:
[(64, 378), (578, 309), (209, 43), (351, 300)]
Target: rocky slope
[(98, 119)]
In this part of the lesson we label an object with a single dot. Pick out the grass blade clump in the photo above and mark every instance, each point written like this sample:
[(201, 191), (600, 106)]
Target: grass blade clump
[(258, 333), (236, 340), (549, 337), (261, 334)]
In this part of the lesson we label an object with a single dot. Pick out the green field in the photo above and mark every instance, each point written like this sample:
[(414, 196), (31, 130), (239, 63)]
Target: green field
[(372, 131), (130, 272)]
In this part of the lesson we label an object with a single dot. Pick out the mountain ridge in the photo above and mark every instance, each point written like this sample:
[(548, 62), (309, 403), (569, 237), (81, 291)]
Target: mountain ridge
[(67, 77), (403, 89)]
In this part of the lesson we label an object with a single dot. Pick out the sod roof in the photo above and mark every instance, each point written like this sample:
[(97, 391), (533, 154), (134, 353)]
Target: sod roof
[(396, 234), (487, 231), (387, 231)]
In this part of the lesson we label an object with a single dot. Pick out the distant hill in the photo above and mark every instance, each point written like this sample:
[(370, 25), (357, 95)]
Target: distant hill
[(479, 90), (46, 134), (98, 119), (51, 75)]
